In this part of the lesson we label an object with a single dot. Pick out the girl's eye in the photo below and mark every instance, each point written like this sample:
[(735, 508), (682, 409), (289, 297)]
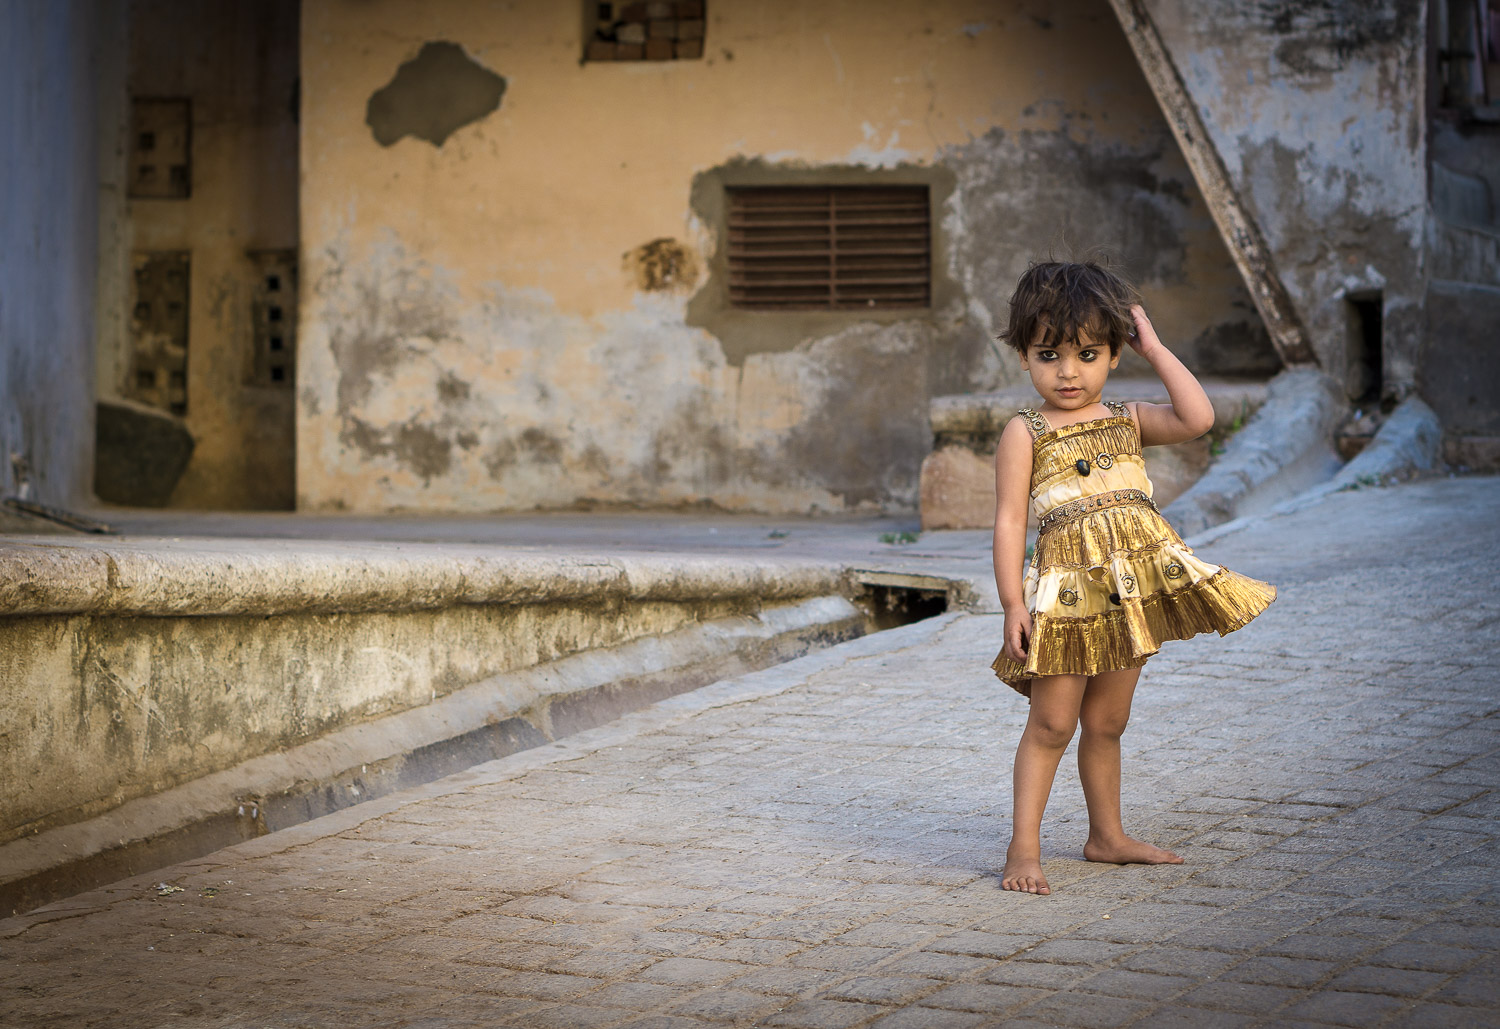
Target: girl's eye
[(1047, 355), (1087, 355)]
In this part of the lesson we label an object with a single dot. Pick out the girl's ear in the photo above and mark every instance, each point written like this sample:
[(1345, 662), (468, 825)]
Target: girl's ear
[(1025, 364), (1114, 360)]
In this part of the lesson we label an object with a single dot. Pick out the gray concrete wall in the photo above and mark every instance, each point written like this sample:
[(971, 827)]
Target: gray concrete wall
[(1459, 370), (48, 233), (1319, 113)]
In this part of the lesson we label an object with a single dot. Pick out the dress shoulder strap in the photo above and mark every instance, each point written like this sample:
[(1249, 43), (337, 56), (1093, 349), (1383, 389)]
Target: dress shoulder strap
[(1120, 410), (1035, 422)]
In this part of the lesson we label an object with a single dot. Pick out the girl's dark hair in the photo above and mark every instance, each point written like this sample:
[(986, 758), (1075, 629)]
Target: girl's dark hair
[(1062, 298)]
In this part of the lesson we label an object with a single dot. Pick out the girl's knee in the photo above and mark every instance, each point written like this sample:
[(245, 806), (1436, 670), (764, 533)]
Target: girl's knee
[(1106, 724), (1052, 732)]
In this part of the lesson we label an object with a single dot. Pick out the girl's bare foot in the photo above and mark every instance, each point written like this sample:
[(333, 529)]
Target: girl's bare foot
[(1024, 875), (1127, 851)]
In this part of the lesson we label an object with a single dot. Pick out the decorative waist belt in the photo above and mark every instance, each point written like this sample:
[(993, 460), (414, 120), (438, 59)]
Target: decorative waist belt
[(1086, 505)]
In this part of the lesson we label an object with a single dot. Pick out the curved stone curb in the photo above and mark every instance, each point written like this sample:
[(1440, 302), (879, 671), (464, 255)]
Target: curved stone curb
[(260, 577), (1284, 449), (1407, 443)]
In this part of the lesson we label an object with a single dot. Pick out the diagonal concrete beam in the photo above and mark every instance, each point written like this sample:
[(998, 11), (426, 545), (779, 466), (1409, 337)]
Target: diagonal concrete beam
[(1241, 234)]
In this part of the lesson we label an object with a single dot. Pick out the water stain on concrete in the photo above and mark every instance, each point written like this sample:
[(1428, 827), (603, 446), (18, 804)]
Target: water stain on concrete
[(1321, 37), (433, 95)]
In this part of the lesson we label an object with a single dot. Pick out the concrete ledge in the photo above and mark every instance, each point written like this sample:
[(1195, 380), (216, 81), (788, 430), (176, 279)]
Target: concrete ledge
[(265, 577), (985, 414), (958, 476), (1284, 449), (498, 716), (1406, 444)]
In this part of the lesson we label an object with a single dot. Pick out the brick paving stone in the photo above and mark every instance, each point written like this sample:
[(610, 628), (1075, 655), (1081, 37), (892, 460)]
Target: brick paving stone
[(882, 989), (1122, 982), (1428, 957), (1434, 1016), (823, 1014), (1245, 997), (1077, 952), (637, 996), (937, 966), (788, 981), (1174, 1016), (987, 998), (723, 1004), (1090, 1012), (835, 957), (1281, 971), (573, 1016), (1332, 1007), (929, 1018), (1395, 982), (974, 943)]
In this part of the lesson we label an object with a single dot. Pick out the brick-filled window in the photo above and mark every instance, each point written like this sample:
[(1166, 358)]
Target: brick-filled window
[(646, 31), (161, 148), (159, 329), (840, 248), (273, 317)]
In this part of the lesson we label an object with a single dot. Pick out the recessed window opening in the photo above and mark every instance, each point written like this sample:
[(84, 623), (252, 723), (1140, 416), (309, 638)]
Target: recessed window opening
[(660, 31), (1366, 332), (839, 248)]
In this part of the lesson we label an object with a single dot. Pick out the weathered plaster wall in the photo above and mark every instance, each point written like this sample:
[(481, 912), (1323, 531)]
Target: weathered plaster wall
[(1317, 108), (48, 237), (486, 322), (238, 65)]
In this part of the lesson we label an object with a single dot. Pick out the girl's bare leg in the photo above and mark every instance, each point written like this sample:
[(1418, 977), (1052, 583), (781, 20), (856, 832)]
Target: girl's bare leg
[(1104, 712), (1055, 701)]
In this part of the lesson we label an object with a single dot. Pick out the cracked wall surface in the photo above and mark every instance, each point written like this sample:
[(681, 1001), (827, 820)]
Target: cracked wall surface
[(531, 313), (1318, 110)]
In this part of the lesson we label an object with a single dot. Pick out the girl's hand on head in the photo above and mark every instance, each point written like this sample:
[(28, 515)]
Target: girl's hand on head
[(1145, 339), (1017, 635)]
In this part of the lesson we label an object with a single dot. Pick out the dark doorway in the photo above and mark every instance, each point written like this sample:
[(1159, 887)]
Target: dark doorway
[(1366, 361)]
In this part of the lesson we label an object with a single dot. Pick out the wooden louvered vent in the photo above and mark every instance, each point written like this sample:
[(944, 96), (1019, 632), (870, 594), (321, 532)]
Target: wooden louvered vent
[(838, 248)]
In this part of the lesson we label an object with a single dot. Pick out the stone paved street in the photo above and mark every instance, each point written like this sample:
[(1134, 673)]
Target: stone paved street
[(817, 845)]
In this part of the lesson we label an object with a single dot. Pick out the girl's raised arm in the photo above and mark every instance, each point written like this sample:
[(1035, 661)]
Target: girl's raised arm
[(1012, 495), (1189, 414)]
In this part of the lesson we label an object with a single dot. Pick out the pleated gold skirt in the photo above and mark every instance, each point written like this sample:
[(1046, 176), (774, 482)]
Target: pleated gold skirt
[(1106, 588)]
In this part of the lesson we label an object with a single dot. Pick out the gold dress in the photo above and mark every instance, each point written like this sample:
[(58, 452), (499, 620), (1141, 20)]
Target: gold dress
[(1110, 579)]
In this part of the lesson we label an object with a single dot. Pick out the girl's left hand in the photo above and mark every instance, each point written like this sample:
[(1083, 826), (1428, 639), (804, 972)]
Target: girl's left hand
[(1145, 339)]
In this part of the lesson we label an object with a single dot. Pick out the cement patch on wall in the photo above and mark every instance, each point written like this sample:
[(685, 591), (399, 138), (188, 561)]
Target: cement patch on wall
[(433, 95)]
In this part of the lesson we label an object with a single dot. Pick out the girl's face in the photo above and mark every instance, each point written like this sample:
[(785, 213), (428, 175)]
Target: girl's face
[(1071, 375)]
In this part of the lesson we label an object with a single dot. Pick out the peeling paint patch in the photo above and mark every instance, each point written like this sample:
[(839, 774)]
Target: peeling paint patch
[(662, 265), (433, 95)]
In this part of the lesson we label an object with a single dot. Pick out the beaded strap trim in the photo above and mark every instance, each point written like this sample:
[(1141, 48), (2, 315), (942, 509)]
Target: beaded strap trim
[(1086, 505), (1035, 422)]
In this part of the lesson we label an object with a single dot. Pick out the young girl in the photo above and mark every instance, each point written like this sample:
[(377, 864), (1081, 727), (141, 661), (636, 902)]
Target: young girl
[(1109, 579)]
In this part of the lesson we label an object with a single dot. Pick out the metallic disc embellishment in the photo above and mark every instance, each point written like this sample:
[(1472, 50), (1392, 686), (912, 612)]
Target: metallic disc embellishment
[(1104, 461), (1068, 597), (1082, 465), (1128, 581), (1174, 570)]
